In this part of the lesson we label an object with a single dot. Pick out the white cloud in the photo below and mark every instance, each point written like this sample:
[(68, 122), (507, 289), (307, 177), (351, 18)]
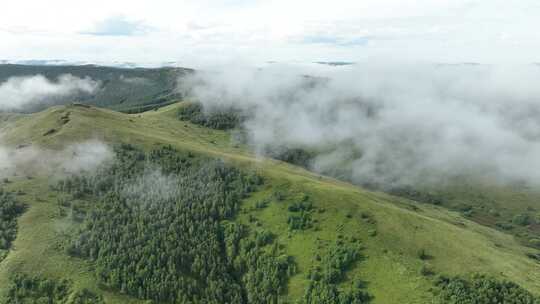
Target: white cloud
[(444, 30), (18, 92), (118, 26), (74, 159), (391, 123)]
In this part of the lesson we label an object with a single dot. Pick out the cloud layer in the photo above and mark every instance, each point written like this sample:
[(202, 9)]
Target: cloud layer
[(198, 32), (118, 26), (74, 159), (392, 124), (19, 92)]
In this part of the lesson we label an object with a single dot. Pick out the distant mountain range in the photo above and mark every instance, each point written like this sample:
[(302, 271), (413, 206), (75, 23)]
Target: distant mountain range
[(122, 88), (118, 64)]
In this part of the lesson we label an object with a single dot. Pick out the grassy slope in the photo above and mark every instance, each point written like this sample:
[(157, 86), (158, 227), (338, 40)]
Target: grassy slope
[(391, 268), (494, 204)]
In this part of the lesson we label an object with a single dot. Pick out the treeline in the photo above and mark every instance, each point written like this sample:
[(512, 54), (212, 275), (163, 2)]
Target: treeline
[(161, 229), (300, 215), (219, 118), (153, 105), (10, 209), (37, 290), (228, 118), (419, 196), (325, 278), (481, 289), (296, 156)]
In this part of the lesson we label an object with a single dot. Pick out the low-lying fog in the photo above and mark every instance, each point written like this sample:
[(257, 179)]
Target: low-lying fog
[(390, 124)]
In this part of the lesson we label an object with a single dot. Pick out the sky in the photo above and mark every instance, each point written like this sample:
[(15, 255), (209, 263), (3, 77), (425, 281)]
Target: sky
[(205, 31)]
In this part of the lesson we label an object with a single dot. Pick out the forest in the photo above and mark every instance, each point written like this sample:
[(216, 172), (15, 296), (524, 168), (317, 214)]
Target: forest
[(521, 224), (38, 290), (481, 289), (219, 118), (325, 278), (228, 118), (161, 229), (10, 209)]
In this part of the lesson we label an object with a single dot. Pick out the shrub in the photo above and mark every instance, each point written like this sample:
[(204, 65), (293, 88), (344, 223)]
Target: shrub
[(325, 279), (521, 219), (300, 221), (504, 225), (10, 209), (423, 255), (220, 118), (534, 242), (426, 271), (419, 196), (483, 290), (279, 195), (295, 156), (261, 204), (26, 289), (301, 206), (494, 212)]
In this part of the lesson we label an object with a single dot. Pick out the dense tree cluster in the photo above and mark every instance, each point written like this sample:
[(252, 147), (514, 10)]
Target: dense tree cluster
[(255, 255), (161, 229), (522, 219), (10, 209), (300, 215), (37, 290), (300, 221), (152, 105), (219, 118), (483, 290), (326, 277), (296, 156), (419, 196)]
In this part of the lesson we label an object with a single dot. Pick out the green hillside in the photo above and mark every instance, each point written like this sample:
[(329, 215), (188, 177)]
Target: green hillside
[(513, 208), (291, 237)]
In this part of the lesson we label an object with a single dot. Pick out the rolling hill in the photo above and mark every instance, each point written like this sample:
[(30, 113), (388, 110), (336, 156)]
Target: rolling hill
[(319, 236)]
